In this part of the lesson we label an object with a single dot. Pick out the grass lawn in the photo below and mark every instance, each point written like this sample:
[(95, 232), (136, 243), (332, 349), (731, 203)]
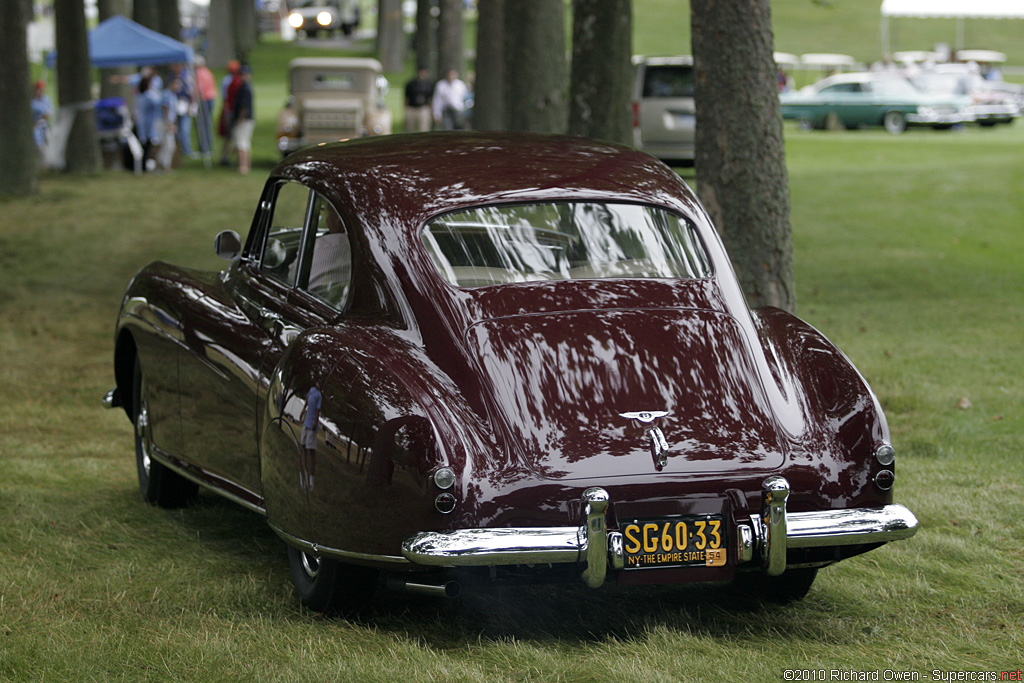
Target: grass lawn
[(908, 254)]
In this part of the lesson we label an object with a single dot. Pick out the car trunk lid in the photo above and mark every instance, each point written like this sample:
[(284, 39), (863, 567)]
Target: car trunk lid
[(614, 392)]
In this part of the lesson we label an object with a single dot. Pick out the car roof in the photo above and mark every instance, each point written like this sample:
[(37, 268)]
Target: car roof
[(336, 62), (679, 60), (403, 180)]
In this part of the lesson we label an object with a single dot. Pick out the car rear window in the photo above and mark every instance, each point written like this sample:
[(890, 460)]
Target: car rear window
[(668, 80), (578, 241)]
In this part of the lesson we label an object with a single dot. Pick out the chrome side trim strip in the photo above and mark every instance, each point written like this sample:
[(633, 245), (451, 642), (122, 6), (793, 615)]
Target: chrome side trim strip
[(206, 480), (850, 527), (335, 553)]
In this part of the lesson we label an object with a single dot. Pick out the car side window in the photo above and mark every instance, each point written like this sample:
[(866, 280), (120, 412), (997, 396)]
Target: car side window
[(284, 236), (328, 274)]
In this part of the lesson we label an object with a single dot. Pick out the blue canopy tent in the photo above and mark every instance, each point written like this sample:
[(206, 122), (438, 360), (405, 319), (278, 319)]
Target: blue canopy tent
[(119, 41)]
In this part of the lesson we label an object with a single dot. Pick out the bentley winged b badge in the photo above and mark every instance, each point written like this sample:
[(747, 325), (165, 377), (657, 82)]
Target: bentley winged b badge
[(658, 444)]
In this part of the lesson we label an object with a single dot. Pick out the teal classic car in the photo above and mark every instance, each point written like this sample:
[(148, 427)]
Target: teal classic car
[(854, 100)]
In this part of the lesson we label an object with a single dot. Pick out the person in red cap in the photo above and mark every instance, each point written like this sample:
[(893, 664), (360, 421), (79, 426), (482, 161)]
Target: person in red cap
[(228, 92), (42, 111)]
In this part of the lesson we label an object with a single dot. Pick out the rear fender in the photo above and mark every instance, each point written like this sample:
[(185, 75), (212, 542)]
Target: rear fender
[(388, 421), (832, 463)]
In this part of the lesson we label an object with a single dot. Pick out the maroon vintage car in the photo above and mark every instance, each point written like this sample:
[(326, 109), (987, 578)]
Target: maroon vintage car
[(448, 357)]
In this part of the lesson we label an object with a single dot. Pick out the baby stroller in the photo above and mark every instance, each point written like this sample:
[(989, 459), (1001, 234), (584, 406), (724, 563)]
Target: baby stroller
[(117, 141)]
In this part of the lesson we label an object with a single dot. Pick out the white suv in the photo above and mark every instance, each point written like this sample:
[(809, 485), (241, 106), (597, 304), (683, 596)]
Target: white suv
[(663, 109)]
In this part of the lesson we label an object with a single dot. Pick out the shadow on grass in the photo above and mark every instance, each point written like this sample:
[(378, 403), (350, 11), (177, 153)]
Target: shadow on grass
[(546, 613)]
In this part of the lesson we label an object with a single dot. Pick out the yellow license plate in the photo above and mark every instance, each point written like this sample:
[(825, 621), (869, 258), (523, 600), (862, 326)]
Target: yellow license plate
[(697, 540)]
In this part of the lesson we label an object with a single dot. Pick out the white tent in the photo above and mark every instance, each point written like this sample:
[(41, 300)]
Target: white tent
[(949, 9)]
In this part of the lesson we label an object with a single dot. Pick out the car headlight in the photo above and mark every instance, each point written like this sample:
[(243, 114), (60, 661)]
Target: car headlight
[(324, 18), (295, 20)]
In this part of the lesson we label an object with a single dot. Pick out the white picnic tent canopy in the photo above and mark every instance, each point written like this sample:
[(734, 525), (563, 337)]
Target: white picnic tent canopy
[(949, 9)]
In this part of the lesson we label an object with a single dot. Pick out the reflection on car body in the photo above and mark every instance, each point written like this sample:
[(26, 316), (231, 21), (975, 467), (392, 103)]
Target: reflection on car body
[(537, 366)]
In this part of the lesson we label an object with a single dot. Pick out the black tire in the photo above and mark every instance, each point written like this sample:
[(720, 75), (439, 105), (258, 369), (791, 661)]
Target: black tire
[(159, 485), (895, 122), (792, 585), (328, 586)]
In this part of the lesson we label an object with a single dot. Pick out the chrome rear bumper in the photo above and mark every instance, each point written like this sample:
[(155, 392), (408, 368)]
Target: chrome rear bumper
[(765, 538)]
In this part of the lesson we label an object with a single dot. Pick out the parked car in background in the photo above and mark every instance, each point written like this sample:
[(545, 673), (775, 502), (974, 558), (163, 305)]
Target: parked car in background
[(664, 121), (990, 104), (853, 100), (450, 358), (314, 17), (333, 98)]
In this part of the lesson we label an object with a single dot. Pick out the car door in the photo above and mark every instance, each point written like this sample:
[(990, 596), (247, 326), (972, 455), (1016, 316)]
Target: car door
[(297, 437), (239, 330)]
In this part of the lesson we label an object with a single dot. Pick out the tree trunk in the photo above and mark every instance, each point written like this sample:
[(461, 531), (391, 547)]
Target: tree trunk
[(489, 102), (19, 157), (601, 91), (244, 12), (169, 18), (535, 66), (391, 35), (82, 153), (450, 41), (740, 157), (426, 36), (147, 13), (108, 87), (221, 48)]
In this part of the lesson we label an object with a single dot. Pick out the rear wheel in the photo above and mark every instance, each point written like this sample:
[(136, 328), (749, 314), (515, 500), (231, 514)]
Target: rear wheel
[(159, 484), (792, 585), (326, 585), (895, 122)]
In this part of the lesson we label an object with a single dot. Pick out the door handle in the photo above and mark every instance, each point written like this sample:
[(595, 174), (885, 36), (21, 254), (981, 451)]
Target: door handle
[(285, 332)]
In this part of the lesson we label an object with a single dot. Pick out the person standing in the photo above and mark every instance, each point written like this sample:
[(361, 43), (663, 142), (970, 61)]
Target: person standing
[(149, 104), (42, 112), (207, 89), (244, 120), (418, 95), (449, 102), (228, 92), (184, 107)]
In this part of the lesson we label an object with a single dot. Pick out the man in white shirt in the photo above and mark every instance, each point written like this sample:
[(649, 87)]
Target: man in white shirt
[(449, 102)]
